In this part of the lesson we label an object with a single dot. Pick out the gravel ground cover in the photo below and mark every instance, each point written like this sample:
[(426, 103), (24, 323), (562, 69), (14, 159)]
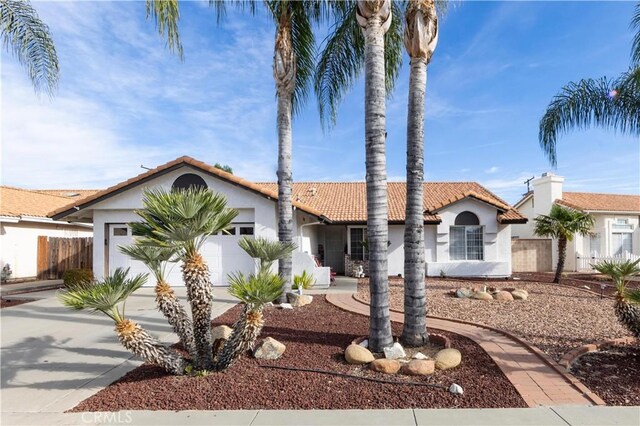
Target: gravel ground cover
[(614, 374), (587, 281), (8, 302), (315, 336), (555, 318)]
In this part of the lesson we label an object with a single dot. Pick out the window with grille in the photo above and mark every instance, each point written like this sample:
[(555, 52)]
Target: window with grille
[(466, 238), (621, 243), (356, 237), (594, 245)]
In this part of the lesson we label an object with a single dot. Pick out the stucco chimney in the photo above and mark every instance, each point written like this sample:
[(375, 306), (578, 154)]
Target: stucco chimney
[(546, 189)]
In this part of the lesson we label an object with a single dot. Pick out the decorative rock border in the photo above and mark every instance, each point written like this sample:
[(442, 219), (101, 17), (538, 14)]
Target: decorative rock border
[(570, 357), (435, 338)]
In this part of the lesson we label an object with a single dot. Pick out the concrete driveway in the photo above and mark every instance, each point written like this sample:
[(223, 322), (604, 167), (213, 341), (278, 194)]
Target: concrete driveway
[(53, 358)]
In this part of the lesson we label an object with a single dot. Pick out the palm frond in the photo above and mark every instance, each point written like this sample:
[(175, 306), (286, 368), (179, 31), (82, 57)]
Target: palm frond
[(30, 41), (563, 222), (635, 47), (220, 7), (265, 250), (611, 104), (255, 290), (154, 257), (166, 15), (633, 296)]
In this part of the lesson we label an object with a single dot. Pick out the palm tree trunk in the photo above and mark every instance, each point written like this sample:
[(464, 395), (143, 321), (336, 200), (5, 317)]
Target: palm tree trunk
[(135, 339), (629, 316), (284, 72), (372, 16), (200, 293), (245, 332), (176, 315), (414, 332), (562, 254)]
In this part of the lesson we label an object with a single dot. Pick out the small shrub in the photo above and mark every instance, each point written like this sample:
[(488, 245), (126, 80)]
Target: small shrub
[(305, 280), (77, 278)]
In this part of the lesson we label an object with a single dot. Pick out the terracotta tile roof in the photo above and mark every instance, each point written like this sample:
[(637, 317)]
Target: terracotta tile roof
[(591, 201), (165, 168), (347, 201), (76, 194), (16, 202)]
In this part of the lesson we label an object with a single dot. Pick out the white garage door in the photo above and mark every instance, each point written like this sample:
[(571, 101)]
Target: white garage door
[(221, 252)]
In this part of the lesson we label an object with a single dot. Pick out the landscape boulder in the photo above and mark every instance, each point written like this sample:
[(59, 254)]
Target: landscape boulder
[(298, 300), (356, 354), (419, 367), (221, 332), (503, 295), (481, 295), (387, 366), (269, 348), (463, 293), (448, 358), (519, 295), (394, 351)]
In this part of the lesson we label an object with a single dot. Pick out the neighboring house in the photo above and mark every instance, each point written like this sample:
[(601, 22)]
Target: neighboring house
[(23, 218), (616, 231), (467, 228)]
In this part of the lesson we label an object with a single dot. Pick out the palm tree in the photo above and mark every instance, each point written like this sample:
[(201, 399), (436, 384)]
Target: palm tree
[(254, 291), (563, 223), (30, 41), (627, 304), (156, 259), (181, 221), (420, 40), (265, 251), (609, 103), (108, 297)]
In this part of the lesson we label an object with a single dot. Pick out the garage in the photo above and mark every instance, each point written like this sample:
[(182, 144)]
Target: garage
[(221, 252)]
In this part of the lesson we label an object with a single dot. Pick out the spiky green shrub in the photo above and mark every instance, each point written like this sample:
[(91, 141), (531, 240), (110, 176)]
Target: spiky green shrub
[(303, 281), (265, 251)]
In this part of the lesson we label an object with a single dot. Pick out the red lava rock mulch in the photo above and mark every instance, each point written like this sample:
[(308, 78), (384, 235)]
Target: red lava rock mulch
[(6, 303), (316, 336), (612, 373)]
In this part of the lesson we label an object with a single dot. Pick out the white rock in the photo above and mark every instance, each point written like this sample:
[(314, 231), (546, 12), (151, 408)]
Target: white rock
[(395, 351), (221, 332), (285, 306), (268, 304), (516, 278), (364, 343), (420, 355), (456, 389)]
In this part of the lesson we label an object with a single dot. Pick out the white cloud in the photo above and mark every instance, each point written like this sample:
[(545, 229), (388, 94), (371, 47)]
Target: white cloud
[(492, 170)]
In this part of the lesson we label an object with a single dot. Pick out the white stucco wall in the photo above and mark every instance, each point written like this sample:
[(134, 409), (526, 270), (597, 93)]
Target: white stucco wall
[(119, 209), (19, 243)]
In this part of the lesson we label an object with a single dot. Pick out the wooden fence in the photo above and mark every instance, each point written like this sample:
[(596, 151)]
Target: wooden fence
[(56, 255)]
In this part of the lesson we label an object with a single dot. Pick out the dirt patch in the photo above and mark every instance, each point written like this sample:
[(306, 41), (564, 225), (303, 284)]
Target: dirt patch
[(316, 336), (613, 374), (9, 301)]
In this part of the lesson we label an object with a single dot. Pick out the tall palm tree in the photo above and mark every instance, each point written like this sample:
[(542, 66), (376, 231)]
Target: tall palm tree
[(627, 304), (108, 297), (293, 65), (609, 103), (420, 40), (156, 259), (30, 41), (181, 221), (562, 223)]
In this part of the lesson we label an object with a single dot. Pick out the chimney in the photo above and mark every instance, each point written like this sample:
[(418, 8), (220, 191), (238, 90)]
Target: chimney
[(546, 189)]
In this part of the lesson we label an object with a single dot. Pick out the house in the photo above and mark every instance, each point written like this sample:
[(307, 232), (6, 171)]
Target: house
[(23, 218), (616, 231), (467, 228)]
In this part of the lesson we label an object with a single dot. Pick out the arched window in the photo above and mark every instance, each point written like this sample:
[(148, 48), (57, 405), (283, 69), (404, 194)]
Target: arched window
[(189, 180), (466, 238)]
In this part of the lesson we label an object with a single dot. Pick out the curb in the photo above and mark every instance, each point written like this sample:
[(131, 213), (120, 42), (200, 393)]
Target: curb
[(31, 290), (570, 357)]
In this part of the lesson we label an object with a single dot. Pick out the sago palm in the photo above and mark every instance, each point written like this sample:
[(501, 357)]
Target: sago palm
[(605, 102), (266, 251), (182, 220), (108, 297), (30, 41), (156, 259), (627, 304), (562, 223), (254, 292)]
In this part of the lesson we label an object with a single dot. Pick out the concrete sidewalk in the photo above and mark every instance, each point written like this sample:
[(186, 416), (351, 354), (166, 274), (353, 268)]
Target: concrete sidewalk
[(29, 286), (541, 416)]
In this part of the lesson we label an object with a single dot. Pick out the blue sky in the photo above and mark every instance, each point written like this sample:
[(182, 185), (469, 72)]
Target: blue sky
[(125, 100)]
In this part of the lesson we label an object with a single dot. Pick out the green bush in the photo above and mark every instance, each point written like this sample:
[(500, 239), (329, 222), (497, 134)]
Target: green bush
[(305, 280), (77, 278)]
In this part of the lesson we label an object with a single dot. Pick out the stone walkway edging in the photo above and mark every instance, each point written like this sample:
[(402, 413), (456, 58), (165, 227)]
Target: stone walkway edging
[(569, 358), (559, 368), (540, 381)]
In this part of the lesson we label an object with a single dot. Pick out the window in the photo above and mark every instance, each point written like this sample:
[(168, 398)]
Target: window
[(189, 180), (622, 224), (246, 230), (466, 238), (357, 236), (229, 231), (621, 243), (594, 245), (120, 232)]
